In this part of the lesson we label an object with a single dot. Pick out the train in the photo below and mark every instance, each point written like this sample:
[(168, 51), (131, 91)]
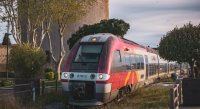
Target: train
[(103, 67)]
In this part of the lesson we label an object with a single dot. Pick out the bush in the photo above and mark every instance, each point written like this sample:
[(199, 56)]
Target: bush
[(50, 75), (7, 83), (26, 61)]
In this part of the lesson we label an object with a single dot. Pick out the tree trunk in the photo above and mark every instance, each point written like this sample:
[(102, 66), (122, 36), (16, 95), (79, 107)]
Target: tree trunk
[(58, 67), (50, 48), (62, 54), (192, 73)]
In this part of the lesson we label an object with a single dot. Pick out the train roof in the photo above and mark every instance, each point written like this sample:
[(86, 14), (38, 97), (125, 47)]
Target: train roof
[(132, 42), (102, 37)]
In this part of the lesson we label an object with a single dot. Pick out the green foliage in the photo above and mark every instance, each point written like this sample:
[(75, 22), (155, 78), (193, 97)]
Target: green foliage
[(6, 39), (7, 83), (180, 44), (114, 26), (26, 61), (59, 11), (49, 75), (65, 11)]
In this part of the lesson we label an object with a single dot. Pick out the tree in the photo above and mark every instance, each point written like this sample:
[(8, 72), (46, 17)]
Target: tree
[(180, 45), (64, 13), (9, 14), (114, 26), (26, 17), (26, 61), (6, 39), (35, 18)]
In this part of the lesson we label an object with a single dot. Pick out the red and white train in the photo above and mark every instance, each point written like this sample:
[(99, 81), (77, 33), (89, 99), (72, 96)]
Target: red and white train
[(102, 67)]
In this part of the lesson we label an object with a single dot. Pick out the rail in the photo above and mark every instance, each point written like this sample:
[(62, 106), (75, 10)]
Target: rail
[(176, 95)]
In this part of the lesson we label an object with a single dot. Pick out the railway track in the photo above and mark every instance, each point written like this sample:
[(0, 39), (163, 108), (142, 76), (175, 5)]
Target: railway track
[(116, 101)]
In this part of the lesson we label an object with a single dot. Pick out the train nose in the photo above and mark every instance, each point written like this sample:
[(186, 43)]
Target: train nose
[(78, 91), (82, 90)]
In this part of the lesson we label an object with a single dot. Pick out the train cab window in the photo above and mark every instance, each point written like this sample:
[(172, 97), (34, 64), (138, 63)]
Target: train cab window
[(88, 53), (87, 58)]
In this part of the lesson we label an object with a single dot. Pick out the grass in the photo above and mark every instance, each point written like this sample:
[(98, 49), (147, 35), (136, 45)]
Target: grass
[(154, 97), (11, 102), (51, 98)]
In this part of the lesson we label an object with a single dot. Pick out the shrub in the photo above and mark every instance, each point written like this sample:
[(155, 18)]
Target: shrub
[(50, 75), (26, 61), (7, 83)]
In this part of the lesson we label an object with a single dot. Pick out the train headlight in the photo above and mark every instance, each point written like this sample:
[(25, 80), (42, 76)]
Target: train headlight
[(71, 75), (100, 76), (94, 39), (92, 76), (65, 75)]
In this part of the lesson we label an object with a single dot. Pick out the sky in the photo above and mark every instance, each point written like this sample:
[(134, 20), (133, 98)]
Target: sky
[(2, 30), (151, 19)]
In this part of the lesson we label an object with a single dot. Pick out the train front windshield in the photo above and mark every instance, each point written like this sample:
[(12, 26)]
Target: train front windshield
[(87, 58), (88, 53)]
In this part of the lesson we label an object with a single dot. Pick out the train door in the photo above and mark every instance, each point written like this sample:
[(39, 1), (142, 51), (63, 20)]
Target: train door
[(147, 66), (116, 69), (126, 75)]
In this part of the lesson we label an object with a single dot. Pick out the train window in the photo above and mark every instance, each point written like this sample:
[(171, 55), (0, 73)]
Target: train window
[(133, 62), (128, 61), (117, 62), (163, 67), (88, 53), (141, 62), (152, 69), (137, 58)]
